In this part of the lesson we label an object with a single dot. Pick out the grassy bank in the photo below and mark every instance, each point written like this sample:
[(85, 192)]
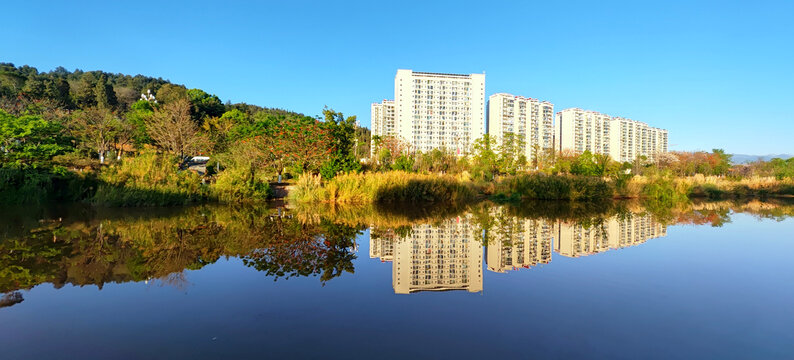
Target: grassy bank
[(387, 187), (397, 187)]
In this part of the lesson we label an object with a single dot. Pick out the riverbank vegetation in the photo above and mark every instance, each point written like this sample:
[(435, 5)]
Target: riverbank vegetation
[(122, 140)]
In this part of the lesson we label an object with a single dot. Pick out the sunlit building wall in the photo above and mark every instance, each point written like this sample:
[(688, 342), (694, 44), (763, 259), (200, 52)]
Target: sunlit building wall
[(622, 139), (580, 130), (383, 119), (530, 120), (445, 256), (439, 111)]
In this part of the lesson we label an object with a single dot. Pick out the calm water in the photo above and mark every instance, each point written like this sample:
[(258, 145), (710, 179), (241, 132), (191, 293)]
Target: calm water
[(546, 280)]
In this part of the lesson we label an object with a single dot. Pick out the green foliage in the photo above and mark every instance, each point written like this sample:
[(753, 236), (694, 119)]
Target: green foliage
[(204, 104), (149, 179), (484, 164), (552, 187), (30, 141), (403, 163), (343, 132), (663, 189)]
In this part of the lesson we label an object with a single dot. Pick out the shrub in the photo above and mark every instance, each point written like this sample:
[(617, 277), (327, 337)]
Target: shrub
[(149, 179)]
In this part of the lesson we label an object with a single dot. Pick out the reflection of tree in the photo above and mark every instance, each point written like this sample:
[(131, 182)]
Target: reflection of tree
[(307, 250), (137, 247)]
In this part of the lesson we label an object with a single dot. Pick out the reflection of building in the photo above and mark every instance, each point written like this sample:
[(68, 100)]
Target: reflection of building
[(519, 243), (445, 256), (381, 244), (576, 240)]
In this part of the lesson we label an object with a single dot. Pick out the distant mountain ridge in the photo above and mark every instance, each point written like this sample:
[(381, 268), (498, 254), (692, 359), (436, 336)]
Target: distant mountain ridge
[(743, 158)]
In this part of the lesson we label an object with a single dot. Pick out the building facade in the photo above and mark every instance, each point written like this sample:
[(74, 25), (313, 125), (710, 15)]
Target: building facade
[(530, 121), (622, 139), (439, 111), (383, 120)]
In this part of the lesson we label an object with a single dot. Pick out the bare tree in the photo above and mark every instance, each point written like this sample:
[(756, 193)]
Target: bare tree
[(173, 129), (97, 127)]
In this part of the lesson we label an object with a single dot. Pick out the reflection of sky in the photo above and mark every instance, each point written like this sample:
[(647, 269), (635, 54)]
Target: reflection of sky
[(699, 292)]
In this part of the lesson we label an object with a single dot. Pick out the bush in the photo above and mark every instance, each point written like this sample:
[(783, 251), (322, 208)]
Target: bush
[(552, 187), (395, 186), (149, 179)]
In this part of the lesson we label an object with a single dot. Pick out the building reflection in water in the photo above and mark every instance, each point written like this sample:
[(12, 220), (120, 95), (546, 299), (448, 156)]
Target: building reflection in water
[(448, 255), (575, 240), (439, 257)]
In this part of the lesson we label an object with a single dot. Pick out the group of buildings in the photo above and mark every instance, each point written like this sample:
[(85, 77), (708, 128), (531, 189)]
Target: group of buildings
[(449, 111), (449, 255)]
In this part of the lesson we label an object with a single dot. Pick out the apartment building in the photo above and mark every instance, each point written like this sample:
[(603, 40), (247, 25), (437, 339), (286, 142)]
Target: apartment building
[(531, 121), (634, 138), (583, 130), (623, 139), (439, 111), (383, 120), (575, 240)]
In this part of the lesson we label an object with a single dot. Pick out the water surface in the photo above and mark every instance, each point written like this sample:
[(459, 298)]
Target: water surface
[(543, 280)]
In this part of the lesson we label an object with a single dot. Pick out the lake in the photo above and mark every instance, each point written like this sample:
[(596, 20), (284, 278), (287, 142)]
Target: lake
[(540, 280)]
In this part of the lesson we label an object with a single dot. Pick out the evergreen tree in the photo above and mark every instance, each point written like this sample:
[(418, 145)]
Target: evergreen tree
[(105, 96)]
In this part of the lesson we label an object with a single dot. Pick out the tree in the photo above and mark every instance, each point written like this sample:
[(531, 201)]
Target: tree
[(301, 145), (343, 131), (511, 157), (170, 93), (104, 94), (97, 129), (173, 130), (205, 105), (29, 140), (484, 163)]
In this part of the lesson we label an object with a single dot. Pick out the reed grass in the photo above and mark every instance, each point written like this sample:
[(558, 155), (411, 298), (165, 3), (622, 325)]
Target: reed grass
[(149, 179), (387, 187)]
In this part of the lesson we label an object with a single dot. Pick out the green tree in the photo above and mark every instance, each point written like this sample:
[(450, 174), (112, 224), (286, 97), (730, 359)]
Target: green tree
[(343, 132), (96, 128), (204, 104), (104, 94), (30, 140), (485, 163)]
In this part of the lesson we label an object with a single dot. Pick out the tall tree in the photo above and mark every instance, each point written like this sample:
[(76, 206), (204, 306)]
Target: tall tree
[(104, 94), (343, 131), (173, 130), (97, 129)]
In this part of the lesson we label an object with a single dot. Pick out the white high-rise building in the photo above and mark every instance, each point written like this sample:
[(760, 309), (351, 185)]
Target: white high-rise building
[(439, 111), (583, 130), (530, 120), (623, 139), (382, 120), (633, 138)]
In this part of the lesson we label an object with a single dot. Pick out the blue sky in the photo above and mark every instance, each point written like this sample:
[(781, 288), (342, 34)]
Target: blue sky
[(716, 74)]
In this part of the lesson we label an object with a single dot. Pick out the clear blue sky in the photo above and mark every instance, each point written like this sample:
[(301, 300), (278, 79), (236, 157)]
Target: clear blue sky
[(716, 74)]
